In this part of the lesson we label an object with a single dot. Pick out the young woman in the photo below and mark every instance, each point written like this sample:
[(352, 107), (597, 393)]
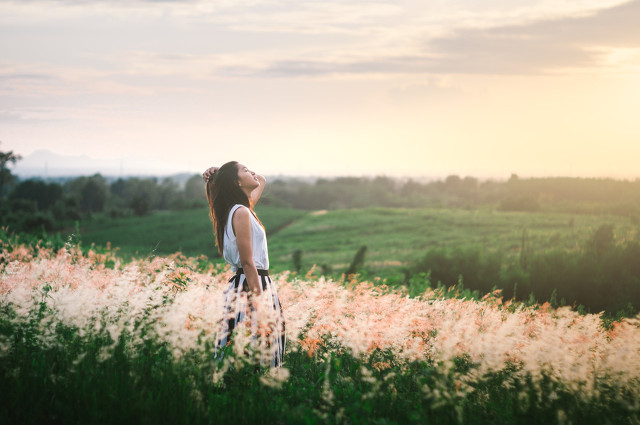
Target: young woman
[(232, 192)]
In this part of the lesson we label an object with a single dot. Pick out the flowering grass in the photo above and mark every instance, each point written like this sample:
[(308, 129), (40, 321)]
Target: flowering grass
[(86, 338)]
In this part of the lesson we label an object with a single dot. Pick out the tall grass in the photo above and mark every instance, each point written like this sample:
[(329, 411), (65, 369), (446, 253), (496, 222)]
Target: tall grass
[(87, 338)]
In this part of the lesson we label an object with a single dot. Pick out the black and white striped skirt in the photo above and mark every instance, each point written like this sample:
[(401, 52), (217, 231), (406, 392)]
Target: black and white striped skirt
[(237, 308)]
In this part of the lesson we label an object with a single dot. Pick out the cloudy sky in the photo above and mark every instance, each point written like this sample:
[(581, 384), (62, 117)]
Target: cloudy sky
[(349, 87)]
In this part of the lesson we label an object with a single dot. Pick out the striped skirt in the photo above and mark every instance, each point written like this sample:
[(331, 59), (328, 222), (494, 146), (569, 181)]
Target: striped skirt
[(237, 308)]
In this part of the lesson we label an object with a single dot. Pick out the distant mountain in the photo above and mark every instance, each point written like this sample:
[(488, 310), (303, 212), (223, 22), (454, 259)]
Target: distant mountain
[(44, 163)]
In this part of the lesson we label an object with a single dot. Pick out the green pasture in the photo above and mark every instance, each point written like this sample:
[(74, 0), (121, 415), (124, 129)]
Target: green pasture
[(394, 236), (167, 232)]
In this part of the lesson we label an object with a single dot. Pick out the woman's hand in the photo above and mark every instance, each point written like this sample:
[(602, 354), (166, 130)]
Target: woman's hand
[(208, 173)]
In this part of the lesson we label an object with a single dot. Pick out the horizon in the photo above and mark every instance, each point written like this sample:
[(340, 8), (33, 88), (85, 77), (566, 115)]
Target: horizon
[(71, 173), (332, 88)]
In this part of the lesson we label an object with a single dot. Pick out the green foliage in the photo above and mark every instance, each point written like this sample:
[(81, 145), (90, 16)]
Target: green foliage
[(602, 240), (141, 196), (7, 179), (297, 260), (480, 270), (575, 195), (44, 194), (418, 283), (66, 209), (23, 216), (326, 269), (525, 250), (194, 189), (602, 276), (35, 206), (357, 264), (91, 192), (140, 381)]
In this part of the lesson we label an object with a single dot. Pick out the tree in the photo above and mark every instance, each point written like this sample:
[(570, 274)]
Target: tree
[(141, 195), (168, 194), (6, 178), (194, 188), (44, 194), (92, 196), (91, 192)]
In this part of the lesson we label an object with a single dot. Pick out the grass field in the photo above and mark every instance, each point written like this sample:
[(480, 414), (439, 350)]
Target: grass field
[(167, 232), (88, 338), (394, 236)]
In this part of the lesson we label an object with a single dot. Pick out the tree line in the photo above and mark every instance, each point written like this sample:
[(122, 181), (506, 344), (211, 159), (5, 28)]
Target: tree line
[(35, 204), (559, 194)]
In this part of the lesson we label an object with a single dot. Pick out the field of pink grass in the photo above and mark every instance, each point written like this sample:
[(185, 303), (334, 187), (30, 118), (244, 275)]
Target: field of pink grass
[(184, 305), (180, 301)]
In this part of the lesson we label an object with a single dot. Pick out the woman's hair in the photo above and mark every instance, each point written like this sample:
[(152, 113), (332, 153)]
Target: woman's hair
[(223, 193)]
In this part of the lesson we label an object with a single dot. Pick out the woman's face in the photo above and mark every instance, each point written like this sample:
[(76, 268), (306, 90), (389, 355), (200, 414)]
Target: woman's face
[(247, 179)]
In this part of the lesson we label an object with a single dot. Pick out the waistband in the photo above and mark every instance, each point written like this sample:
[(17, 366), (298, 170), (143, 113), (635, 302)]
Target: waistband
[(261, 272)]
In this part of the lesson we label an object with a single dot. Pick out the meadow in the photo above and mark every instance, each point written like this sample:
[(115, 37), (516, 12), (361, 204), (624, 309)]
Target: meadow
[(86, 337), (587, 261), (167, 232), (394, 236)]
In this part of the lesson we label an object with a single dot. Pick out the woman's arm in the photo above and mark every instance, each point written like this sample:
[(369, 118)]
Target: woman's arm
[(257, 192), (242, 227)]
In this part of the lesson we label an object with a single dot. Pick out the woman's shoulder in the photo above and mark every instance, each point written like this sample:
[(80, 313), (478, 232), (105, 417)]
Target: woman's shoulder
[(238, 207), (237, 216), (239, 211)]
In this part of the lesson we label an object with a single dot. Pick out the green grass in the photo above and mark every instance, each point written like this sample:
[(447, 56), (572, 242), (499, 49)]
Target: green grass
[(394, 236), (398, 236), (141, 382), (167, 232)]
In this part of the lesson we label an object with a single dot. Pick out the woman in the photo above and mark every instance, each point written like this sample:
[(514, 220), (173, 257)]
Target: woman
[(232, 192)]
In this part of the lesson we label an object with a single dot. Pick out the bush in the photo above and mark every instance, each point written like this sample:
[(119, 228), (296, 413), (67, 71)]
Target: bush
[(479, 270), (297, 260), (358, 261), (66, 209), (140, 205), (44, 194)]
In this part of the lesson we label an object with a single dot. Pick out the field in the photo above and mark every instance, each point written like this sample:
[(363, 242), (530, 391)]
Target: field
[(167, 232), (88, 338), (394, 236)]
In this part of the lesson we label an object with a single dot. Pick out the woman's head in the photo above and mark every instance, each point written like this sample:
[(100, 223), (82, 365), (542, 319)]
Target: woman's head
[(224, 190), (247, 179)]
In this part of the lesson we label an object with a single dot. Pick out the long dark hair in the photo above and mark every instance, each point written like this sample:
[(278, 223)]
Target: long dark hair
[(223, 193)]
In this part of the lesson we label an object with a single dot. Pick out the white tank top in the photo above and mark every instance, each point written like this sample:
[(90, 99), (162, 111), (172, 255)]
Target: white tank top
[(258, 243)]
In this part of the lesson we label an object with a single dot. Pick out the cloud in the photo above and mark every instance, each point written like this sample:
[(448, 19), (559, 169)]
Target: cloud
[(541, 46), (28, 80), (293, 39), (22, 80), (533, 48)]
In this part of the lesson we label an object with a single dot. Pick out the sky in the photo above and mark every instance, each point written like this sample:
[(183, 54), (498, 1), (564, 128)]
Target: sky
[(333, 87)]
